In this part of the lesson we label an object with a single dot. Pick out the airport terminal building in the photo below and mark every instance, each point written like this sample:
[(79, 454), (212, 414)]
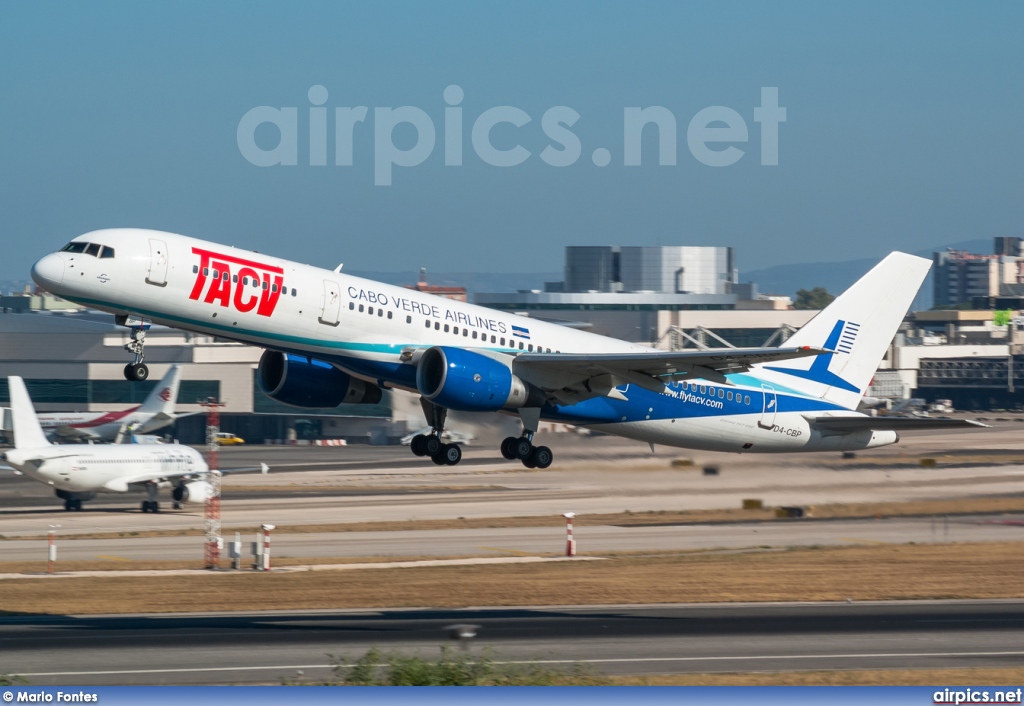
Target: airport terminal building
[(74, 360)]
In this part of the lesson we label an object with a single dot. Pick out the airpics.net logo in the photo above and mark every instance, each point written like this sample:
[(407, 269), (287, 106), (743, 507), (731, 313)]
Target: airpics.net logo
[(716, 136)]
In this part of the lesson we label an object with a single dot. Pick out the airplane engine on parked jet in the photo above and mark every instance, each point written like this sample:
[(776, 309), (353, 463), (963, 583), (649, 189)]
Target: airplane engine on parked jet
[(470, 382), (305, 382), (195, 492)]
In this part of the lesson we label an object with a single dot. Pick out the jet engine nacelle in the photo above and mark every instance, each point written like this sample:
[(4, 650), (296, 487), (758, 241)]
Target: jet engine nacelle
[(304, 382), (198, 491), (469, 382)]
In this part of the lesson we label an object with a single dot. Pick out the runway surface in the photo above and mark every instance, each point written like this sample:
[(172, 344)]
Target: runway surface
[(591, 540), (310, 485), (266, 647)]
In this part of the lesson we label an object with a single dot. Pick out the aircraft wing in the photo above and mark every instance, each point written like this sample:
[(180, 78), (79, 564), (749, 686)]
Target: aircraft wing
[(70, 433), (576, 376), (883, 423), (157, 477)]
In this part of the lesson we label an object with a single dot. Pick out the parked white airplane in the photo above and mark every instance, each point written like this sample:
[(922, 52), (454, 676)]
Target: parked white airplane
[(331, 338), (156, 412), (78, 473)]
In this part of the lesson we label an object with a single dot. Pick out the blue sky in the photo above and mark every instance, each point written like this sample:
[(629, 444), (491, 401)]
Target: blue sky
[(903, 129)]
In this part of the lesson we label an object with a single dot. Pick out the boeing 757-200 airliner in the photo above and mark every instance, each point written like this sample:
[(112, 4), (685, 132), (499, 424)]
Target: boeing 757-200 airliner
[(330, 338)]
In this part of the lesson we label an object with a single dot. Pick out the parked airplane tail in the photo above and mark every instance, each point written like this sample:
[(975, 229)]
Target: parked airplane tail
[(28, 434), (858, 325), (164, 395)]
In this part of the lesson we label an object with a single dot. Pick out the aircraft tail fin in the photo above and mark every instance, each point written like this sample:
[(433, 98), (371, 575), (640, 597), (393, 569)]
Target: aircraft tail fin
[(858, 325), (164, 395), (28, 433)]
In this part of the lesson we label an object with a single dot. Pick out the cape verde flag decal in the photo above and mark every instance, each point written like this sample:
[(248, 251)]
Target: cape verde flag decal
[(520, 332)]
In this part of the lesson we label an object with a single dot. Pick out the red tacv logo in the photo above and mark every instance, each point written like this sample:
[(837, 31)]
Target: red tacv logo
[(165, 394), (234, 281)]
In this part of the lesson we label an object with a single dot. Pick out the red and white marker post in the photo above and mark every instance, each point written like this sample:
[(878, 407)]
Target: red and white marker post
[(51, 548), (266, 546), (570, 543)]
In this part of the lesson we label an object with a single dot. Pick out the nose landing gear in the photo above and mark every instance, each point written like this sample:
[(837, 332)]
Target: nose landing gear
[(136, 371)]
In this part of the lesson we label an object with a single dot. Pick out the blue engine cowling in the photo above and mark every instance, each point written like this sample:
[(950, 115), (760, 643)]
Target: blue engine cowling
[(304, 382), (470, 382)]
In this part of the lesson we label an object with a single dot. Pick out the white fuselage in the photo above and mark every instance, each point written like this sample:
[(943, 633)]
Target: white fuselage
[(372, 331), (105, 468)]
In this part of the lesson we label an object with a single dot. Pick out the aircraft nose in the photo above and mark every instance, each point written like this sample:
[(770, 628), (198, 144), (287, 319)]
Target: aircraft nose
[(48, 272)]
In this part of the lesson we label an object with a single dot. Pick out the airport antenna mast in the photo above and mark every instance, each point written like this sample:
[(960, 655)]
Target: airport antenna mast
[(213, 540)]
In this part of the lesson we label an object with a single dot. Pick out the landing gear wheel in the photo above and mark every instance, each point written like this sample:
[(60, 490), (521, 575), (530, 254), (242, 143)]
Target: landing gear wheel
[(419, 445), (150, 506), (145, 506), (154, 506), (76, 505), (439, 458), (523, 448), (432, 445), (508, 448), (452, 454), (140, 372), (68, 507), (530, 461), (128, 371), (542, 456)]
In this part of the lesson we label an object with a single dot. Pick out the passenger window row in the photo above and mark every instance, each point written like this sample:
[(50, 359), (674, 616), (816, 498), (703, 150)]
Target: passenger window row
[(370, 310), (256, 283), (719, 392), (482, 337)]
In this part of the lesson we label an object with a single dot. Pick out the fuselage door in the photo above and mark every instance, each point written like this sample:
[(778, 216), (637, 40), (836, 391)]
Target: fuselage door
[(769, 408), (331, 304), (157, 263)]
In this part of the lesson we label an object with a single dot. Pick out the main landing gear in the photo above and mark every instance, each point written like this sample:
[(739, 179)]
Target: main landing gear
[(73, 505), (512, 448), (430, 444), (522, 448), (137, 371)]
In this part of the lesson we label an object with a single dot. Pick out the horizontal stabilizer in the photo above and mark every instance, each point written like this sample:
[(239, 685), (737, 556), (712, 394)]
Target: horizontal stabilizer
[(853, 424)]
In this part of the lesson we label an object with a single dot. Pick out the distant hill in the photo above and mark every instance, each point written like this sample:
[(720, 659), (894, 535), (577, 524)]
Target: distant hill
[(837, 276)]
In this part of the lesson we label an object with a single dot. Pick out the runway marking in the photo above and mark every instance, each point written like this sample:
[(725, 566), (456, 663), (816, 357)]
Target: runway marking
[(862, 541), (516, 552), (610, 660)]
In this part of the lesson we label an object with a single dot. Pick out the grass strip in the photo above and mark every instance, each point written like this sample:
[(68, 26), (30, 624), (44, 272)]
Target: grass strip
[(901, 572)]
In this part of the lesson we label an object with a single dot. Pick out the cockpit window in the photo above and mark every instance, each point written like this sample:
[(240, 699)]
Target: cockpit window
[(74, 247), (92, 249), (106, 252)]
